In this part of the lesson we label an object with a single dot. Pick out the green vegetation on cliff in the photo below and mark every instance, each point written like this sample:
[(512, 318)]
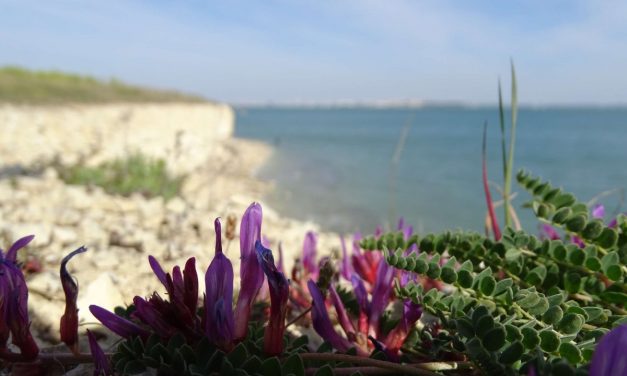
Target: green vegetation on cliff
[(21, 86)]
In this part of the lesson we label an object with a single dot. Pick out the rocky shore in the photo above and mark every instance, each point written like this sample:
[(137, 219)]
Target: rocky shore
[(120, 232)]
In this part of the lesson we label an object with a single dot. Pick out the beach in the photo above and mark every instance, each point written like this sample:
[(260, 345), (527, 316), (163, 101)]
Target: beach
[(121, 232)]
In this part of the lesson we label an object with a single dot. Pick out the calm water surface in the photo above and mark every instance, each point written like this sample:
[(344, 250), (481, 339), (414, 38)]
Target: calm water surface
[(334, 166)]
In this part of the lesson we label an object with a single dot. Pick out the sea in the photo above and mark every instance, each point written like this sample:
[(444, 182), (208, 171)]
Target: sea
[(353, 169)]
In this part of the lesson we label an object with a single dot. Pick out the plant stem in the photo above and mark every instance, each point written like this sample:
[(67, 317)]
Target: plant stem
[(397, 368), (294, 320), (433, 366)]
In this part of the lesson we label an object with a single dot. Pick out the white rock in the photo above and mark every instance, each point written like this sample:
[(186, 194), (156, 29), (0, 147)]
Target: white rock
[(103, 291), (65, 236)]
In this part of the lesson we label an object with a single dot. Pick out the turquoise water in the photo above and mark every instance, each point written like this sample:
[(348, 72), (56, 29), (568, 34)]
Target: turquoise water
[(334, 166)]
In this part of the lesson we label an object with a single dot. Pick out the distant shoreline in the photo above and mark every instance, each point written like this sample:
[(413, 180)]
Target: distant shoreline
[(423, 106)]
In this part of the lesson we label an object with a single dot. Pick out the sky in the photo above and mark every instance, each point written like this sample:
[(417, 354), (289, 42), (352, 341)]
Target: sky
[(565, 52)]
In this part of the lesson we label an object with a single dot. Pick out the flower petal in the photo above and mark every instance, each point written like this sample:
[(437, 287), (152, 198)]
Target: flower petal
[(381, 294), (19, 244), (345, 267), (219, 325), (251, 275), (321, 321), (609, 356), (116, 324), (309, 253), (69, 320), (158, 270), (598, 211), (279, 293), (149, 315), (101, 362), (342, 315), (190, 281)]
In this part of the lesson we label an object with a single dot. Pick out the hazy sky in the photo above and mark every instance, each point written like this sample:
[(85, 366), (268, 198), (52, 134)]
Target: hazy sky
[(565, 52)]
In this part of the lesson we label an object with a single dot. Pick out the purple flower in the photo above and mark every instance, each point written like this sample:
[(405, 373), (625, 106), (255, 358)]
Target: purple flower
[(342, 315), (362, 300), (116, 324), (182, 288), (279, 293), (251, 275), (309, 253), (345, 267), (322, 323), (381, 295), (219, 325), (101, 362), (14, 320), (407, 230), (69, 320), (609, 356), (396, 337), (149, 314), (548, 232), (598, 211), (577, 241)]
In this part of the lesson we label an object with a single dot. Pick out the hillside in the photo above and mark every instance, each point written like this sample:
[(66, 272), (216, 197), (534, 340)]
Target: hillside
[(22, 86)]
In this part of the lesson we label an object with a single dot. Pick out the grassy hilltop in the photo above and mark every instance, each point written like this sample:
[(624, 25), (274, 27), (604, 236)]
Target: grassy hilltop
[(22, 86)]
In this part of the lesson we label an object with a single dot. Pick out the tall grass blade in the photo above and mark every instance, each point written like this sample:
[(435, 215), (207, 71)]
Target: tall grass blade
[(512, 142), (502, 123), (488, 197)]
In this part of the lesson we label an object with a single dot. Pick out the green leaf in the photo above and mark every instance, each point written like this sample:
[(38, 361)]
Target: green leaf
[(593, 263), (559, 252), (555, 299), (134, 367), (540, 308), (464, 327), (325, 370), (294, 365), (300, 341), (465, 278), (614, 297), (572, 282), (529, 300), (570, 352), (421, 264), (502, 285), (608, 238), (175, 342), (512, 353), (563, 200), (549, 340), (561, 215), (593, 313), (553, 315), (571, 323), (512, 333), (434, 270), (238, 355), (536, 276), (487, 285), (494, 338), (271, 366), (252, 364), (483, 325), (593, 229), (576, 223), (576, 256), (448, 275), (578, 310), (531, 339), (478, 313)]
